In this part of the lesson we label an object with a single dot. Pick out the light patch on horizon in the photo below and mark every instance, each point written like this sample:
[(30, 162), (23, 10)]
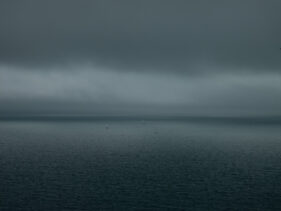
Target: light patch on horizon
[(106, 89)]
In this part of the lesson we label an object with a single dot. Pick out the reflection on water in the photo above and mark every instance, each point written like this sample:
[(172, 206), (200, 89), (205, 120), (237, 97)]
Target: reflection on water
[(136, 165)]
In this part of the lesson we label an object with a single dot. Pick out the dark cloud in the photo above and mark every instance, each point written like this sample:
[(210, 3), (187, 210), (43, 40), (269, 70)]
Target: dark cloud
[(155, 35), (140, 56)]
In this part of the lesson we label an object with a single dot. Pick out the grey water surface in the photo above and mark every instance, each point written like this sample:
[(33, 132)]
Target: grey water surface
[(139, 165)]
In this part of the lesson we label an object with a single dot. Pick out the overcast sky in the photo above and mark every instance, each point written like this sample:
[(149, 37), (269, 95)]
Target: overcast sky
[(168, 57)]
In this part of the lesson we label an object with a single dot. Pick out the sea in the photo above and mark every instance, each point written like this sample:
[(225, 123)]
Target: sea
[(139, 163)]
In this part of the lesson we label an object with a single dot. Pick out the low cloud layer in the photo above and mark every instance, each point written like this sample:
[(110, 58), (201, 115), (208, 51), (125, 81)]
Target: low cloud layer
[(87, 89)]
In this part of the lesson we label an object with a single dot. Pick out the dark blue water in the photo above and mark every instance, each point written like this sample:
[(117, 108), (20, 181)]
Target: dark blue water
[(139, 165)]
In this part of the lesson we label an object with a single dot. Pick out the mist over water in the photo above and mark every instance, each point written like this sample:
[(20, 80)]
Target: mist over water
[(137, 165)]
